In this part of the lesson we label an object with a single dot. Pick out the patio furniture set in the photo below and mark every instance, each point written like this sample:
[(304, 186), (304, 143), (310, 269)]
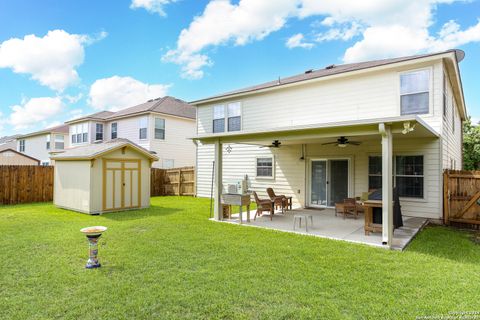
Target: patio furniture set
[(349, 207)]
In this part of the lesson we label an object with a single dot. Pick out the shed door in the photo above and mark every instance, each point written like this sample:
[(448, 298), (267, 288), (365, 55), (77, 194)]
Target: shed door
[(122, 184)]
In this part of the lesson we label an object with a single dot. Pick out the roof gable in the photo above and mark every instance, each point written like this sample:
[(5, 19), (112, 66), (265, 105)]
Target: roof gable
[(95, 150)]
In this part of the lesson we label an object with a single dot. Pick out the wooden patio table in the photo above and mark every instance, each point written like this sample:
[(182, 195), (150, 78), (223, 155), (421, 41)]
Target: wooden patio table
[(239, 200)]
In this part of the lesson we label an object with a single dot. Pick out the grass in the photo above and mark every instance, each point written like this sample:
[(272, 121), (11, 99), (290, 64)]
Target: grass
[(171, 262)]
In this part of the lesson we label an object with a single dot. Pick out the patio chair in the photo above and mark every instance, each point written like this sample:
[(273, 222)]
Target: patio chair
[(263, 205), (280, 200), (349, 206)]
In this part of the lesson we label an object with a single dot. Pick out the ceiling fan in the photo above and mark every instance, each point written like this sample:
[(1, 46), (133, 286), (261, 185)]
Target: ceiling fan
[(342, 142), (275, 144)]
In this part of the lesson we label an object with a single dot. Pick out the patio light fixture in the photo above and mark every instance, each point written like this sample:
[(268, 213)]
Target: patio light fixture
[(407, 128)]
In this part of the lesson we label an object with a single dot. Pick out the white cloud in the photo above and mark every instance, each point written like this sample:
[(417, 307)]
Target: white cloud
[(51, 60), (73, 99), (298, 41), (52, 124), (346, 33), (117, 92), (222, 22), (153, 6), (384, 28), (34, 110)]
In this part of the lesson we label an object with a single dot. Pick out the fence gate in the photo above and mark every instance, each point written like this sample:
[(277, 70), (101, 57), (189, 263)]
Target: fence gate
[(461, 199)]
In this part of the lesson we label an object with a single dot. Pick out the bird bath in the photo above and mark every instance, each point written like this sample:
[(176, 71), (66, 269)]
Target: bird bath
[(93, 234)]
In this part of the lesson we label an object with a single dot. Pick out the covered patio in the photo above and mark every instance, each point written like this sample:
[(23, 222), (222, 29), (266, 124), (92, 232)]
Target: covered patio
[(304, 149), (327, 225)]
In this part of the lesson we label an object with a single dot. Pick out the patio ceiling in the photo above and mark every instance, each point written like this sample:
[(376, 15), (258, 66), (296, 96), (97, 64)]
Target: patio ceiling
[(360, 129)]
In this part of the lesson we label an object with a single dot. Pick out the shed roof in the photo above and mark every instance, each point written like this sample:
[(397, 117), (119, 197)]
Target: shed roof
[(95, 150), (19, 153)]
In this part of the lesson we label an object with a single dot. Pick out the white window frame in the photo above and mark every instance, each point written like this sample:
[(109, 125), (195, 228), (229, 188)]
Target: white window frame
[(48, 143), (155, 128), (272, 177), (140, 127), (430, 90), (80, 130), (21, 145), (394, 172), (97, 124), (116, 130), (56, 139), (226, 116), (222, 106)]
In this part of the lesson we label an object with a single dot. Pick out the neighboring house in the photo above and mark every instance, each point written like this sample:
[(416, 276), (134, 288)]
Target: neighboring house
[(375, 103), (40, 144), (10, 157), (8, 142), (160, 125)]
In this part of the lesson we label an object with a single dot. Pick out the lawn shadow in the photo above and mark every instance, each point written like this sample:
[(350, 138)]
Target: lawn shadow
[(140, 213), (447, 243)]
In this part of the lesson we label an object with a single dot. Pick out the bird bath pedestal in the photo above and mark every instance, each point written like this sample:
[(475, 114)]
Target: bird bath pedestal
[(93, 234)]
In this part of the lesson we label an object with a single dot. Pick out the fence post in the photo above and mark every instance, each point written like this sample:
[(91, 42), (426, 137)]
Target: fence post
[(446, 204)]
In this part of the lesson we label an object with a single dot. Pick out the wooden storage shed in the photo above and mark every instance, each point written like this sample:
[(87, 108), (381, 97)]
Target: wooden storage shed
[(103, 177)]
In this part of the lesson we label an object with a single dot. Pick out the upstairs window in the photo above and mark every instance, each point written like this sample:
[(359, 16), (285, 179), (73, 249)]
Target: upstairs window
[(59, 142), (48, 142), (219, 119), (234, 116), (21, 145), (160, 128), (98, 132), (414, 92), (80, 133), (114, 128), (265, 167), (142, 131)]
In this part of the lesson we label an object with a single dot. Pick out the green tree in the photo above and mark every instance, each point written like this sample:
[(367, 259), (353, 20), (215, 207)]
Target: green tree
[(471, 145)]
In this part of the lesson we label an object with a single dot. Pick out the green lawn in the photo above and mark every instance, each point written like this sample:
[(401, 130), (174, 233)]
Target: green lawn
[(170, 262)]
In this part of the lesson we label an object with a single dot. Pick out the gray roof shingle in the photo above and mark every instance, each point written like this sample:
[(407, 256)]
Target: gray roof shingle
[(167, 105), (328, 71)]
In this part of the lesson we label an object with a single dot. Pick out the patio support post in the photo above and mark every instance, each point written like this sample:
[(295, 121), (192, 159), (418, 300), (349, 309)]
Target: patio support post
[(387, 184), (217, 210)]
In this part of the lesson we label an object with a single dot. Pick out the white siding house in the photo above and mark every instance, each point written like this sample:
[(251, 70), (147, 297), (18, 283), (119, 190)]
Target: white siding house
[(162, 125), (40, 144), (393, 108)]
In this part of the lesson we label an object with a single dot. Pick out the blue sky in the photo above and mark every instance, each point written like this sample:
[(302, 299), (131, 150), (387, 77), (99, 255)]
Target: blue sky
[(62, 59)]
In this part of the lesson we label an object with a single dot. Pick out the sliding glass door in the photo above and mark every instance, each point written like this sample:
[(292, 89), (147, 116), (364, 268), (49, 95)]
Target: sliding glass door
[(329, 181)]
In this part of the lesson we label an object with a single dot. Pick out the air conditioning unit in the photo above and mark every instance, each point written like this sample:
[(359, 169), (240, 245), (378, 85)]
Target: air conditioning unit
[(237, 186)]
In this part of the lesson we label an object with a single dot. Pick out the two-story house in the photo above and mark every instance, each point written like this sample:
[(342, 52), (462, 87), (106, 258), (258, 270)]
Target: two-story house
[(40, 144), (160, 125), (338, 132)]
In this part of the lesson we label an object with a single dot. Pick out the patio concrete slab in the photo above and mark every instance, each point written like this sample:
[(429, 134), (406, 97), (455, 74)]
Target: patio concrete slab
[(327, 225)]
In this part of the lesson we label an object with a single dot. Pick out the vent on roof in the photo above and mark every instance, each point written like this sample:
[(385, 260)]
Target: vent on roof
[(309, 71), (330, 67)]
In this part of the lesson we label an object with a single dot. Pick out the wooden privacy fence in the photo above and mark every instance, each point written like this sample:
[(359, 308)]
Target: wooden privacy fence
[(178, 181), (24, 184), (461, 199)]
